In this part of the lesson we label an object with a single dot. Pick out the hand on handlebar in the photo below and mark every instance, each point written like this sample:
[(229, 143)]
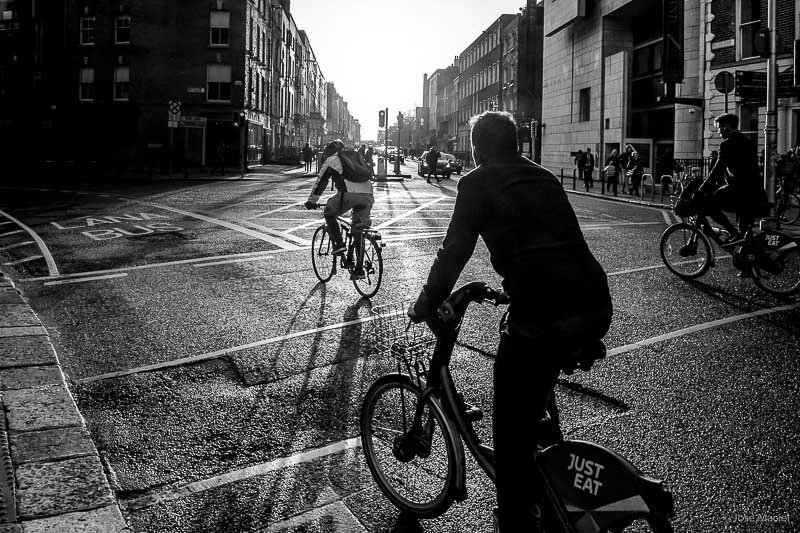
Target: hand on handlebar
[(311, 205)]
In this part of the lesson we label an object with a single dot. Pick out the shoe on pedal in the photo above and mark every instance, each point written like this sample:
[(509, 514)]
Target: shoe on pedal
[(743, 274), (339, 250), (358, 274)]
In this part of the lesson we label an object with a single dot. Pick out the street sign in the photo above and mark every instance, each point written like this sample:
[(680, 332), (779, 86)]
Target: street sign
[(174, 111), (195, 90), (724, 82), (752, 85), (192, 122)]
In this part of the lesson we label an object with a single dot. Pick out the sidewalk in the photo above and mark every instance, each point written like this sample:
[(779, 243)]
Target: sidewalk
[(54, 479)]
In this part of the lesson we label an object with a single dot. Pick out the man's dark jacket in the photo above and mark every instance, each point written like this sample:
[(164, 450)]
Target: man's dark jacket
[(737, 155), (524, 217)]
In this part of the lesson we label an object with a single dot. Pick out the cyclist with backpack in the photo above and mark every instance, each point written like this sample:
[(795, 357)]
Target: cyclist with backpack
[(350, 176), (558, 292)]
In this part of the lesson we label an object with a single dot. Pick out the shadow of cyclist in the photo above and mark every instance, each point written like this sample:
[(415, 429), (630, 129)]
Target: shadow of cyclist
[(407, 523)]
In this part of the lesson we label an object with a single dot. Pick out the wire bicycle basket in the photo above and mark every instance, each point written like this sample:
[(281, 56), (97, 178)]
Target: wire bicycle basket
[(410, 345)]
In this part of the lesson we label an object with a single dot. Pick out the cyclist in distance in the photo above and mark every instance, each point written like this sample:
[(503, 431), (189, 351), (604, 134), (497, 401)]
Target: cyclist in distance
[(743, 193), (349, 195), (558, 292)]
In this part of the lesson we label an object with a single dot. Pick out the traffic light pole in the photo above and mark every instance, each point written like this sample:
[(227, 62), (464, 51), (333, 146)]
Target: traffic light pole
[(771, 127)]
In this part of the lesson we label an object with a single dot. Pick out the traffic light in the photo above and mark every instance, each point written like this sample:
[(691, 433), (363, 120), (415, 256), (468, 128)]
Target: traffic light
[(381, 118)]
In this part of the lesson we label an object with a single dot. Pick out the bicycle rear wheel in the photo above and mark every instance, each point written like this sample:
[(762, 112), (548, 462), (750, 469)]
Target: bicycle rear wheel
[(414, 467), (788, 208), (373, 268), (685, 250), (777, 268), (321, 257)]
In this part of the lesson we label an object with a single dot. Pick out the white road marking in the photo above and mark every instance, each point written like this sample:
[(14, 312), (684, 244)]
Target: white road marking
[(242, 474), (11, 232), (23, 260), (81, 280), (667, 217), (276, 210), (307, 224), (22, 331), (51, 264), (16, 245), (227, 351), (408, 213), (343, 519), (154, 265)]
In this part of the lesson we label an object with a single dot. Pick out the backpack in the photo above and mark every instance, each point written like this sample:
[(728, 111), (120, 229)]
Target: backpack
[(354, 167)]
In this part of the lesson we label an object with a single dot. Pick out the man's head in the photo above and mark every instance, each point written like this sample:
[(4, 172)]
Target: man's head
[(588, 150), (494, 136), (726, 123)]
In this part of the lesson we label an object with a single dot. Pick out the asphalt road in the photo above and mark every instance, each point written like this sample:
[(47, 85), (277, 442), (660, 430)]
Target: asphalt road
[(222, 383)]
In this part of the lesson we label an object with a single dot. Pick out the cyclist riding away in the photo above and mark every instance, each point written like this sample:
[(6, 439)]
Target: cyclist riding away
[(558, 292), (349, 195), (743, 193)]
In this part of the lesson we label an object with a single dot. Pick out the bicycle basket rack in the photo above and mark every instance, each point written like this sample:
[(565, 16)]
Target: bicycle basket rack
[(411, 345)]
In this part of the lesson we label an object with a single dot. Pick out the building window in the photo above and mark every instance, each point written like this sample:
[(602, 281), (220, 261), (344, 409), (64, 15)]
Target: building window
[(121, 83), (87, 30), (122, 29), (86, 92), (219, 83), (748, 124), (749, 24), (220, 24), (583, 105)]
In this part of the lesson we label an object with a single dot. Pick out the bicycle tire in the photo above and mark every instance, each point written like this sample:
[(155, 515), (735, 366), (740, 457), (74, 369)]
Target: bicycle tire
[(785, 280), (373, 268), (421, 486), (675, 254), (321, 258), (789, 213)]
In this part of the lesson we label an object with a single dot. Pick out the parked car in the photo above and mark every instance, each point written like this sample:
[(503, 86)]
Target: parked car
[(396, 153), (455, 166), (443, 167)]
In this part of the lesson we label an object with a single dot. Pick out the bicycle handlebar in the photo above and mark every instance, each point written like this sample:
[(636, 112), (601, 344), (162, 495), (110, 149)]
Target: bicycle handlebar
[(454, 307)]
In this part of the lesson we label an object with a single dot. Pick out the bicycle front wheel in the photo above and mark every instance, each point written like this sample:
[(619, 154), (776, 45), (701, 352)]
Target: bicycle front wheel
[(415, 467), (321, 257), (373, 268), (685, 250), (788, 208)]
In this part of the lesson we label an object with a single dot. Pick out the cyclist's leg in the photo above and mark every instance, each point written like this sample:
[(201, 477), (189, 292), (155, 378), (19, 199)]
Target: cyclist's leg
[(712, 207), (362, 207), (524, 377), (333, 208)]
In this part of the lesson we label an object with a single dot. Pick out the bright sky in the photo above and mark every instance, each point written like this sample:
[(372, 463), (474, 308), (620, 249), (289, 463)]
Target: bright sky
[(376, 51)]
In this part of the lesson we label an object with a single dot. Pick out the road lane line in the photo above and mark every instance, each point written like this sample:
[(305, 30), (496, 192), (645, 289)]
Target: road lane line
[(342, 517), (276, 210), (307, 224), (243, 474), (81, 280), (153, 265), (227, 351), (667, 218), (23, 260), (16, 245), (11, 232), (51, 264), (22, 331), (408, 213)]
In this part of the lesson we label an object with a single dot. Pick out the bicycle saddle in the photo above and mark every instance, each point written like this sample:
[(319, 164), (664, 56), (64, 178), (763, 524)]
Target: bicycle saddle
[(583, 356), (600, 489)]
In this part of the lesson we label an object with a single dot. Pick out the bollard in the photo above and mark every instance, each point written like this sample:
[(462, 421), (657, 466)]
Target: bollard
[(574, 177)]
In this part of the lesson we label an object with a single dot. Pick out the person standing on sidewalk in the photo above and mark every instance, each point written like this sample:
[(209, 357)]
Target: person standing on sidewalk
[(612, 170), (308, 155), (624, 159), (580, 166), (589, 167)]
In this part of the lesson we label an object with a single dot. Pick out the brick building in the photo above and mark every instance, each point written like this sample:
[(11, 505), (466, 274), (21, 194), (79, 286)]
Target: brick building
[(95, 78), (500, 69)]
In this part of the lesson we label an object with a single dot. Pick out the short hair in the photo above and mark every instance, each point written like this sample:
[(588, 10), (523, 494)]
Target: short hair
[(728, 119), (332, 148), (494, 133)]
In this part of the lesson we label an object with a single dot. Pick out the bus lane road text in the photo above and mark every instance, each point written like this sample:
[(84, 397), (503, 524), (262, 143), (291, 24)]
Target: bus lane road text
[(127, 225)]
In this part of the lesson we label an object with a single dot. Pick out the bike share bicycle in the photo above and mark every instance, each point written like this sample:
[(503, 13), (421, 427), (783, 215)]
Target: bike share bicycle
[(771, 257), (414, 424), (363, 247)]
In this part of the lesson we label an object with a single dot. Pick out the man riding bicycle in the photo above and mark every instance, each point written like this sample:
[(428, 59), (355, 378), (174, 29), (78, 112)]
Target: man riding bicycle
[(743, 193), (558, 292), (349, 195)]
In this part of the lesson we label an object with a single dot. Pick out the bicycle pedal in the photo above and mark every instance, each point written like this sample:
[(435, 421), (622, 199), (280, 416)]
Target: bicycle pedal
[(472, 412)]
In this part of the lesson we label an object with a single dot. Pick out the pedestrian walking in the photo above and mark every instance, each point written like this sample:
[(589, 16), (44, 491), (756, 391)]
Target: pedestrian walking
[(368, 157), (589, 167), (623, 160), (635, 170), (612, 170), (432, 159)]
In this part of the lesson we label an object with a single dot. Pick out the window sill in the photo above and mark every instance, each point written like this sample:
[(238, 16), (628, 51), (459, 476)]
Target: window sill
[(219, 45)]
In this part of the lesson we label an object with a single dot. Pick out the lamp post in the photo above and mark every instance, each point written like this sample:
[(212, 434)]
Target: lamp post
[(771, 126)]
